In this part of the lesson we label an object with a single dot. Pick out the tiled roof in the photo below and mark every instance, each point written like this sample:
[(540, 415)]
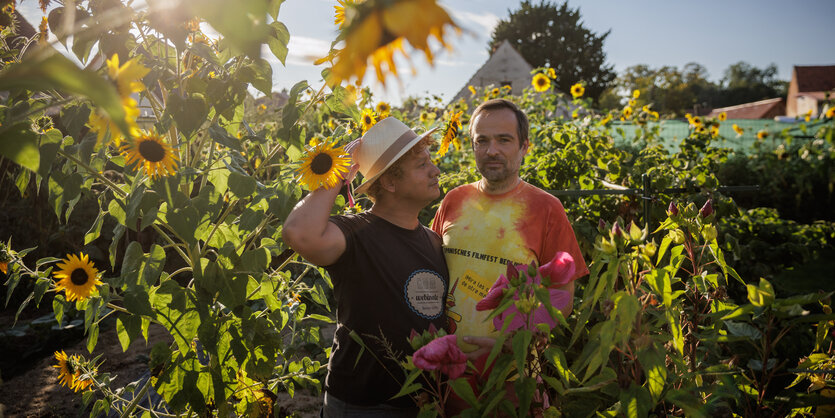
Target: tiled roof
[(815, 78), (762, 109)]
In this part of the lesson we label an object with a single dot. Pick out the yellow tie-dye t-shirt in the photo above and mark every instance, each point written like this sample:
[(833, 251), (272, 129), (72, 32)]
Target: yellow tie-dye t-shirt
[(482, 233)]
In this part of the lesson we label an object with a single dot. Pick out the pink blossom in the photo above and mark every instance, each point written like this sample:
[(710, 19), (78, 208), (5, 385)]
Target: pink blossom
[(442, 354), (559, 299), (560, 269), (494, 295)]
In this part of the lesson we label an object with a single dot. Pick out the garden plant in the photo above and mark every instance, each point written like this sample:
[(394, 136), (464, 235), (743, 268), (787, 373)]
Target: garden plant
[(136, 126)]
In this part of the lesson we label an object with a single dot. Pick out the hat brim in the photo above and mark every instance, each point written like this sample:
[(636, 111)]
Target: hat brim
[(363, 188)]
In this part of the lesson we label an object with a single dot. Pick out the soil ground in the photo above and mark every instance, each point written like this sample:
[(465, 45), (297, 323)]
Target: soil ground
[(36, 393)]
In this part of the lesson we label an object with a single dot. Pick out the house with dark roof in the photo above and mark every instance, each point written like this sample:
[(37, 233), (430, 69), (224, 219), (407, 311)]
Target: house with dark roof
[(763, 109), (808, 89), (505, 67)]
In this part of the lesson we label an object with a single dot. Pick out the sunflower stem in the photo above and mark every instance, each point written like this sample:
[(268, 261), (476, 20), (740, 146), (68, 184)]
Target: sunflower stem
[(95, 173), (116, 308), (135, 401), (217, 225), (171, 241)]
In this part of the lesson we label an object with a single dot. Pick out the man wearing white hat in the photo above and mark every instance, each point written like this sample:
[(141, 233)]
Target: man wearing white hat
[(388, 271)]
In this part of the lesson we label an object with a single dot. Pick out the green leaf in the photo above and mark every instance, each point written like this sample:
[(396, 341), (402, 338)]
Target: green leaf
[(279, 40), (246, 28), (259, 73), (95, 230), (525, 387), (241, 185), (256, 260), (556, 357), (122, 333), (19, 144), (635, 402), (408, 386), (176, 312), (521, 347), (462, 388), (58, 307), (184, 221), (189, 111), (92, 338), (45, 69), (675, 328), (741, 329), (655, 370)]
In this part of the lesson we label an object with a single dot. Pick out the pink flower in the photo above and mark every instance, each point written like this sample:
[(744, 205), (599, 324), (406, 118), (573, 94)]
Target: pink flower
[(560, 269), (442, 354), (559, 299), (494, 295)]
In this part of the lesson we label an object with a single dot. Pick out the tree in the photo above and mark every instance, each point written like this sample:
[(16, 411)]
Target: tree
[(743, 83), (550, 35)]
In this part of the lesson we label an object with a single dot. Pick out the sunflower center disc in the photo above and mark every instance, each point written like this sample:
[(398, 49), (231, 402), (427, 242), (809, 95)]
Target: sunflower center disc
[(151, 151), (321, 164), (79, 277)]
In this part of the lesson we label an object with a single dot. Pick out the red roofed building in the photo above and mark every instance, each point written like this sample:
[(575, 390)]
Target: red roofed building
[(763, 109), (808, 88)]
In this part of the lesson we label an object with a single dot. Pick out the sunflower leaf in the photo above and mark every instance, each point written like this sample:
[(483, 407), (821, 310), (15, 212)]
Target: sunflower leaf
[(278, 40), (92, 338), (19, 144)]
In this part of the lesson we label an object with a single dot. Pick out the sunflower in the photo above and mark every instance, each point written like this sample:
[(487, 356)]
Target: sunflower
[(655, 115), (696, 121), (632, 102), (551, 73), (78, 277), (723, 117), (700, 129), (374, 34), (636, 94), (830, 113), (739, 131), (153, 153), (808, 115), (126, 76), (323, 166), (4, 267), (763, 134), (606, 120), (627, 112), (101, 124), (453, 127), (66, 371), (577, 90), (367, 120), (472, 90), (383, 109), (339, 11), (714, 130), (495, 92), (541, 82), (424, 116)]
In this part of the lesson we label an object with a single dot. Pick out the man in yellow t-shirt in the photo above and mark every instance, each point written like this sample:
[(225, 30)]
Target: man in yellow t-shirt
[(497, 220)]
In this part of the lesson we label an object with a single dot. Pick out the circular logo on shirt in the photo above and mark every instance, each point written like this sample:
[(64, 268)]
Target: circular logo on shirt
[(425, 293)]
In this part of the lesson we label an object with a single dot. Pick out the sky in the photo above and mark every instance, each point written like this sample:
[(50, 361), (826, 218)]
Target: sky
[(713, 33)]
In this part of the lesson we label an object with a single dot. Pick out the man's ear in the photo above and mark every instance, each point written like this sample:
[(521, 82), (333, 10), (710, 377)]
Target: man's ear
[(387, 183)]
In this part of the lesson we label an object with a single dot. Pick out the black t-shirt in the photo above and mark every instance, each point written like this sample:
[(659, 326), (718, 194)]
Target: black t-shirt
[(389, 281)]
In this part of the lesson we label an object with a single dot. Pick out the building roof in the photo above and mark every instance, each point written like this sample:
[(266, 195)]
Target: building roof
[(505, 64), (815, 78), (763, 109)]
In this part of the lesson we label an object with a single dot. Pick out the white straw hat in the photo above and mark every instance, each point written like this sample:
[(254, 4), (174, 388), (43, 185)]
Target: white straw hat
[(381, 146)]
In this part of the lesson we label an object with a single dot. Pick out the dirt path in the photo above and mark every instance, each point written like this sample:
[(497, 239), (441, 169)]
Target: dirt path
[(37, 393)]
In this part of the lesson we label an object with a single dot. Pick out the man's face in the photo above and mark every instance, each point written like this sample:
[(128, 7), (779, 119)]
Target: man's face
[(419, 180), (498, 154)]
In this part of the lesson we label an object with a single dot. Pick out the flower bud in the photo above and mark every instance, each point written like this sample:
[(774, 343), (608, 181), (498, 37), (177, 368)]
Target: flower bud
[(709, 232), (649, 249), (672, 210), (601, 225), (677, 236), (707, 209), (616, 231)]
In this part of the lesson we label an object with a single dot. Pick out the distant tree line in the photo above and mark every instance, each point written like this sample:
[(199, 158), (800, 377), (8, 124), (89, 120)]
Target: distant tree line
[(553, 35)]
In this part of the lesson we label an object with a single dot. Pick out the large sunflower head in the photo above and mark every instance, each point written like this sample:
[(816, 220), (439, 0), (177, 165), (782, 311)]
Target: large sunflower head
[(636, 94), (126, 76), (323, 166), (627, 112), (77, 276), (762, 134), (738, 129), (153, 154), (830, 113), (367, 120), (541, 82), (722, 116), (577, 90), (453, 127)]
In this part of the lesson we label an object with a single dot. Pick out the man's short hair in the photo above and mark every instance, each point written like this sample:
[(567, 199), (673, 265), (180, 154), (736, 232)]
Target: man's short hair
[(495, 104), (396, 169)]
